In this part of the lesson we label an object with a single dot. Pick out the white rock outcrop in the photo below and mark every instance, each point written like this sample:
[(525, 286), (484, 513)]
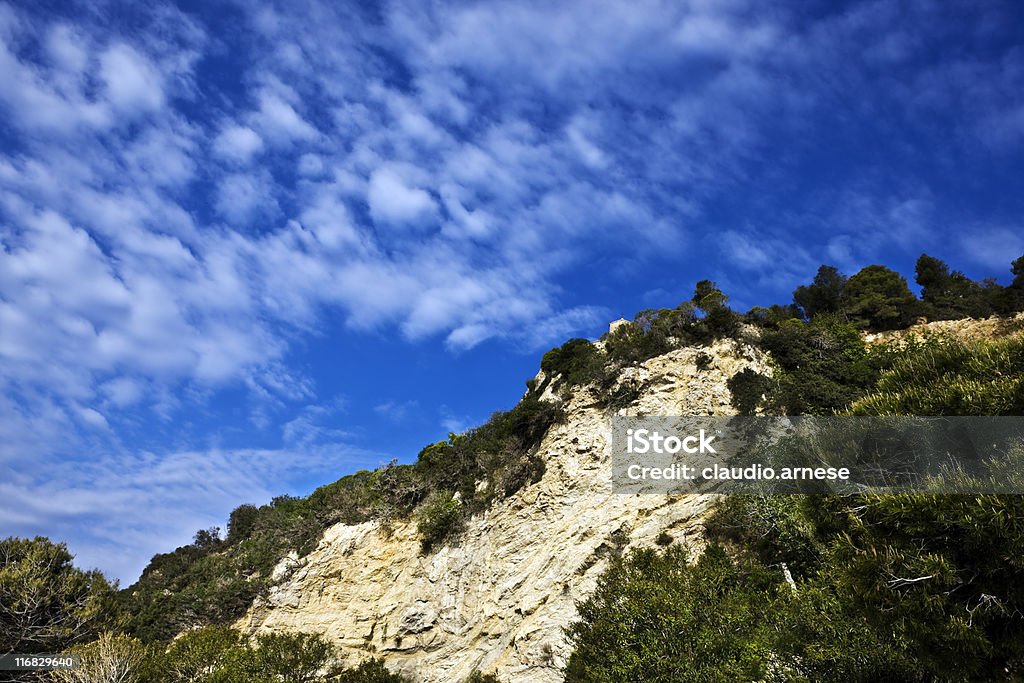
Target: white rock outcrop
[(499, 597)]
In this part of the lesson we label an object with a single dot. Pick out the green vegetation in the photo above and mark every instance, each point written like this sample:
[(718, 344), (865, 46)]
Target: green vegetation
[(823, 295), (877, 298), (869, 587), (948, 376), (439, 517), (902, 587), (748, 389), (372, 671), (655, 617), (214, 580), (823, 366), (577, 361), (46, 603), (218, 654)]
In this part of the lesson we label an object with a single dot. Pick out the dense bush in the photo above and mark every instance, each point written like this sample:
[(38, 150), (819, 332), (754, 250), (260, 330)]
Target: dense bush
[(748, 389), (438, 518), (577, 361), (656, 617), (878, 298), (823, 366), (867, 587), (909, 587)]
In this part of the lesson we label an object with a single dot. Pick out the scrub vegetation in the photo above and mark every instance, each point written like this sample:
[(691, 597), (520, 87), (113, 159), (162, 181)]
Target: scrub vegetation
[(868, 587), (910, 587)]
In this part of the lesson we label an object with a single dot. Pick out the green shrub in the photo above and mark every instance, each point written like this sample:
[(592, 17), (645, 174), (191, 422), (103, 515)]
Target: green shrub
[(577, 361), (775, 528), (477, 677), (748, 389), (655, 617), (196, 654), (438, 518), (217, 654), (950, 376), (371, 671), (241, 522), (823, 366)]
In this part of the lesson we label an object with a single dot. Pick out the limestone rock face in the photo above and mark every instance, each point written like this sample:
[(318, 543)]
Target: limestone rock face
[(499, 597)]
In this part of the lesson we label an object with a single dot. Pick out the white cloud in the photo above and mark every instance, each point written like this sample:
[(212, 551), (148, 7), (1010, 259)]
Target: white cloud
[(396, 411), (93, 418), (393, 200), (149, 503), (122, 392), (64, 46), (244, 197), (993, 247), (589, 153), (237, 143), (279, 120), (311, 165), (133, 84)]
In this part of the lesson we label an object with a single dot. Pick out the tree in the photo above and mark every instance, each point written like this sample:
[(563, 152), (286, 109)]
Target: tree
[(719, 320), (207, 539), (933, 276), (1012, 298), (241, 522), (656, 617), (949, 296), (823, 295), (577, 361), (879, 299), (275, 658), (112, 658), (293, 657), (46, 603), (1017, 268)]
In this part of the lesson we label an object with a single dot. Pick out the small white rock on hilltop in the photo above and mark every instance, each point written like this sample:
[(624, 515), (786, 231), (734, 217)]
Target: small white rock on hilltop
[(498, 598)]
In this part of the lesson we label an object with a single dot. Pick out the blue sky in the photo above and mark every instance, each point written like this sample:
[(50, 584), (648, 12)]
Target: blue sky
[(249, 247)]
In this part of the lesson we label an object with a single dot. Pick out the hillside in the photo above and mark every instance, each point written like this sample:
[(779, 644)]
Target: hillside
[(503, 550), (500, 595)]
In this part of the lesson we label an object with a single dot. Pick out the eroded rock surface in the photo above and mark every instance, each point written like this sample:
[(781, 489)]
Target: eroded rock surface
[(499, 597)]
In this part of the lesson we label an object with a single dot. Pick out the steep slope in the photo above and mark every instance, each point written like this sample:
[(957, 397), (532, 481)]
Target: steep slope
[(499, 596)]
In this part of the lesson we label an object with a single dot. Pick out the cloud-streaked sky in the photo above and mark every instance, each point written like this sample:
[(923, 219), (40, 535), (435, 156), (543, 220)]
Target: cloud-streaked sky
[(248, 247)]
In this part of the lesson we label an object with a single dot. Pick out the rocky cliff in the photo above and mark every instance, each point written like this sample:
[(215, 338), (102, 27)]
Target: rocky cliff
[(499, 596)]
